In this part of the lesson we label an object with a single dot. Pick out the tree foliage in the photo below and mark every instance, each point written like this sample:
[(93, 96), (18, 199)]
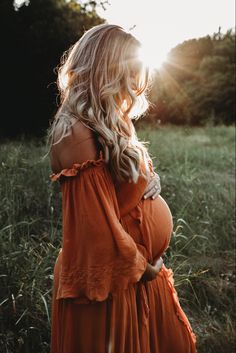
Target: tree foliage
[(197, 83), (35, 36)]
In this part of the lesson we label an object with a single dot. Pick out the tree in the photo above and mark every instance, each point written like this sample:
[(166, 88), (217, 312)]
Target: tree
[(36, 35), (197, 82)]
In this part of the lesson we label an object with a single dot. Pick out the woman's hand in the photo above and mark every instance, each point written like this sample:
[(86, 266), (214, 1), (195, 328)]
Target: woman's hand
[(152, 270), (153, 188)]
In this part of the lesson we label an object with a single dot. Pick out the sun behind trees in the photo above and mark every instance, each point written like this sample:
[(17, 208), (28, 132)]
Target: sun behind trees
[(197, 83)]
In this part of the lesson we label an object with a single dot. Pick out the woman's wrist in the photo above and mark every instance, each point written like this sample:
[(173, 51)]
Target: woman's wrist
[(149, 273), (152, 270)]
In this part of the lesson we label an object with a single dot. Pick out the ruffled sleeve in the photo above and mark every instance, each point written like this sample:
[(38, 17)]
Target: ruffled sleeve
[(98, 256)]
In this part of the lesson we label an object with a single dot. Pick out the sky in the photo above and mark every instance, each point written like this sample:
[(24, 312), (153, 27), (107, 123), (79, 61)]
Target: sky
[(162, 24)]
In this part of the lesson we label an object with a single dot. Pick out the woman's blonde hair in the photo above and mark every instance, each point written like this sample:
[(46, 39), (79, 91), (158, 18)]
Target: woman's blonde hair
[(102, 83)]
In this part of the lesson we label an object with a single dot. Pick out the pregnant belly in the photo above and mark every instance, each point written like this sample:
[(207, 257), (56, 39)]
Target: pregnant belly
[(157, 225)]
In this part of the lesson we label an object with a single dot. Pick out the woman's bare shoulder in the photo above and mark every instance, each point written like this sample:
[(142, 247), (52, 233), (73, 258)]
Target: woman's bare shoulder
[(78, 146), (76, 131)]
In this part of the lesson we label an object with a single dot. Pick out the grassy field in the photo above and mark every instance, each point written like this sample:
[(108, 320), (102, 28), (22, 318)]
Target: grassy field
[(197, 170)]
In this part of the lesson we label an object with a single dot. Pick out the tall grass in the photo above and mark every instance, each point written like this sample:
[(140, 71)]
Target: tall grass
[(197, 171)]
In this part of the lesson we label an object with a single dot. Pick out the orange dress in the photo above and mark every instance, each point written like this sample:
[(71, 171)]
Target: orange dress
[(99, 303)]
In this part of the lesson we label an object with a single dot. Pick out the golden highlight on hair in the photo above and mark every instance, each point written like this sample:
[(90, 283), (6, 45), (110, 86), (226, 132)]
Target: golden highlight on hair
[(103, 84)]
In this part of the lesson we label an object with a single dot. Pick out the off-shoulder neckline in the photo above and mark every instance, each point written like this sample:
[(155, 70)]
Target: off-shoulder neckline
[(76, 167)]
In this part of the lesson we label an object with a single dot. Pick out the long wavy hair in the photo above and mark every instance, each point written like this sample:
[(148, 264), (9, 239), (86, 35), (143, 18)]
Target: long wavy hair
[(103, 83)]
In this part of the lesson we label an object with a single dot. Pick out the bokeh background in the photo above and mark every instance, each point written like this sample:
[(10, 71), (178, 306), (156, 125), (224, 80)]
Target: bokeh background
[(190, 127)]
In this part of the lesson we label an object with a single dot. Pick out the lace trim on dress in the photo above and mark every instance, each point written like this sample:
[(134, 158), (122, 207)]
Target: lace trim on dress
[(97, 282), (76, 167)]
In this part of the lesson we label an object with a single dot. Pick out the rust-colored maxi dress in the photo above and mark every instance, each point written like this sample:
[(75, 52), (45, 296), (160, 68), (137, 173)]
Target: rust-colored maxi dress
[(109, 233)]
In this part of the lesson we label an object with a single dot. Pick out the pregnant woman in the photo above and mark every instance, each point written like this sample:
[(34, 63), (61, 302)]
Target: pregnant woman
[(111, 293)]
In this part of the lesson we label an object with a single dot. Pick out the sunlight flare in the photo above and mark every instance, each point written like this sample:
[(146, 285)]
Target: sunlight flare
[(152, 57)]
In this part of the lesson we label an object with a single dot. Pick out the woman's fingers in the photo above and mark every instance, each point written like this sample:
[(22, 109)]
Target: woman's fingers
[(151, 184), (153, 193), (158, 264), (153, 188)]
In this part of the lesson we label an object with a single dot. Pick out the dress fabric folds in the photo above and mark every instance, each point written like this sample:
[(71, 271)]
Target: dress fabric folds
[(100, 303)]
